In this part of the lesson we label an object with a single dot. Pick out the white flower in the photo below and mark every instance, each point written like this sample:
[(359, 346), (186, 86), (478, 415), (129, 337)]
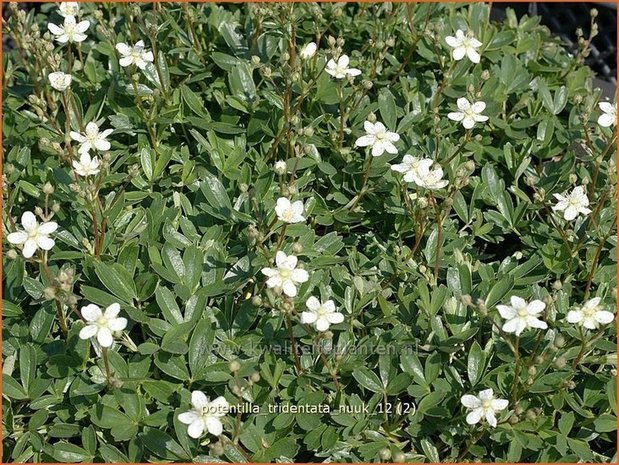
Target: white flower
[(321, 315), (340, 69), (286, 276), (610, 114), (86, 166), (410, 167), (134, 55), (418, 171), (378, 138), (59, 80), (483, 405), (469, 114), (572, 204), (431, 179), (34, 235), (204, 415), (591, 315), (70, 31), (289, 212), (308, 51), (280, 167), (102, 324), (69, 9), (92, 138), (464, 45), (521, 315)]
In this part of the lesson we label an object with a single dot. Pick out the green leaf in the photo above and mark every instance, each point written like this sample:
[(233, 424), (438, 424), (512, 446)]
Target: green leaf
[(167, 303), (388, 109), (163, 446), (499, 291), (70, 453), (475, 363), (241, 82), (368, 379), (200, 346), (117, 280)]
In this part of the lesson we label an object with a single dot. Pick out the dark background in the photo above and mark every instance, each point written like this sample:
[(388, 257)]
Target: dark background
[(563, 18)]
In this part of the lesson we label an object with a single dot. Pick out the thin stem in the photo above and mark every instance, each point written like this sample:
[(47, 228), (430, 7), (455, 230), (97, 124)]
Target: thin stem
[(439, 240), (470, 444), (325, 362), (366, 175), (516, 372), (62, 321), (293, 342), (106, 362)]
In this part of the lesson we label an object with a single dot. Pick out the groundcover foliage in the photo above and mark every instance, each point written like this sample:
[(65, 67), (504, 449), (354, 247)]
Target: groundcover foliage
[(398, 244)]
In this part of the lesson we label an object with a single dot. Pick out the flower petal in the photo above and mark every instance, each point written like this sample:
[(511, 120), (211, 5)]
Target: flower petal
[(88, 331), (91, 312), (112, 311), (117, 324), (18, 237), (189, 417), (196, 429), (104, 336), (199, 400), (213, 425), (474, 416), (470, 401)]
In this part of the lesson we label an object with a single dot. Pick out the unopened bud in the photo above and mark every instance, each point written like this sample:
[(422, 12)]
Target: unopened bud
[(280, 168), (49, 293), (559, 341), (48, 188), (234, 366)]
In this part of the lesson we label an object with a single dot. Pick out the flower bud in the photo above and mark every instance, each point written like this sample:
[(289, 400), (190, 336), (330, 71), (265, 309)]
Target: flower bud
[(385, 454), (559, 341), (49, 293), (48, 189), (399, 457), (256, 301), (297, 248), (12, 254), (255, 60), (560, 362), (234, 366), (280, 168), (255, 377), (217, 449)]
